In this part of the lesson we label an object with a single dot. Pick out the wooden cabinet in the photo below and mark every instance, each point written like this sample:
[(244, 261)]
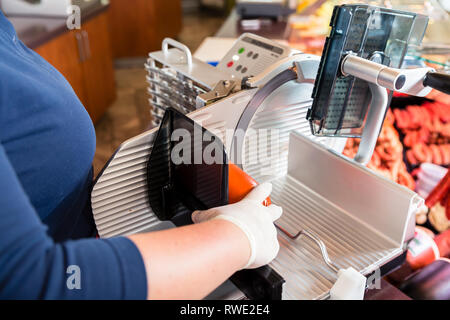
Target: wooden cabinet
[(63, 53), (84, 57), (98, 66), (139, 26)]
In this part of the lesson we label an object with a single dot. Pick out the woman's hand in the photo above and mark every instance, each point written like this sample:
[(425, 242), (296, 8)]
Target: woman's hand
[(255, 221), (191, 261)]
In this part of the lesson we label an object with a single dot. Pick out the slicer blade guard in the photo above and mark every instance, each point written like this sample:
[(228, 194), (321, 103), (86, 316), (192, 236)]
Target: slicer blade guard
[(179, 179)]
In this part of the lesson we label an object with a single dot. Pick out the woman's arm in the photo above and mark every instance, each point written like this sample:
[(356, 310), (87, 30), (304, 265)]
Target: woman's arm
[(190, 262), (33, 266), (186, 262)]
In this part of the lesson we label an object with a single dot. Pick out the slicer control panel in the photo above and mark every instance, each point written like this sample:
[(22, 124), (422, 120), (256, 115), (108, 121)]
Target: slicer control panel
[(251, 55)]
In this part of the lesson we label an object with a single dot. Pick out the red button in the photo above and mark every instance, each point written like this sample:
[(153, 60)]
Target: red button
[(230, 64)]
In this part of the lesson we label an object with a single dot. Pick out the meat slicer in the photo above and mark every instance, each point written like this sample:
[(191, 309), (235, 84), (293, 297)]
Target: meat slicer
[(257, 101)]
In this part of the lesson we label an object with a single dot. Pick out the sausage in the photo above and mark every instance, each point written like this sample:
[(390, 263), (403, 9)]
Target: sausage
[(410, 138), (405, 179), (424, 135), (436, 152), (445, 153), (447, 205), (439, 191), (399, 118), (422, 152), (411, 158), (443, 242)]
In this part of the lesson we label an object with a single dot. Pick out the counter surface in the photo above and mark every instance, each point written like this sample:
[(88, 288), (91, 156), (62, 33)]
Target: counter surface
[(35, 31), (272, 29)]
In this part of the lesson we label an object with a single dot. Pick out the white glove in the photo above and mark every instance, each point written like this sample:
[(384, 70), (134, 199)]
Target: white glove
[(255, 220)]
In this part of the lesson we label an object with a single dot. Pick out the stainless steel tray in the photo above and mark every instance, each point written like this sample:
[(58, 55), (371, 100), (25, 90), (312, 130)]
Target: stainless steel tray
[(362, 218)]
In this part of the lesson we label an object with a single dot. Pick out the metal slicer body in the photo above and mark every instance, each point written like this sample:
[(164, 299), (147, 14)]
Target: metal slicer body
[(342, 202)]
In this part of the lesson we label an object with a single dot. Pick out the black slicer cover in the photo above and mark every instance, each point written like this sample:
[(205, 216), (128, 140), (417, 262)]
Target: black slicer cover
[(341, 103), (176, 188)]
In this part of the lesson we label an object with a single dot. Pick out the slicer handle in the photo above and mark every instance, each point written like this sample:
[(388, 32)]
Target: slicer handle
[(374, 122), (438, 80), (169, 41)]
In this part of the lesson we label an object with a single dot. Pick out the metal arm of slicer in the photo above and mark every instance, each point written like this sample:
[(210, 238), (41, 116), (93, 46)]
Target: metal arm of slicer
[(350, 284), (380, 78), (278, 67), (225, 87), (316, 239)]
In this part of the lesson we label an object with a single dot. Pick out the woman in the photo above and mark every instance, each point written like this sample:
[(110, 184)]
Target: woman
[(47, 144)]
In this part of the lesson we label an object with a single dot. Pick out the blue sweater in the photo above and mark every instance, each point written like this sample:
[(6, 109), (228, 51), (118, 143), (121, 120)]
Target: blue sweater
[(47, 144)]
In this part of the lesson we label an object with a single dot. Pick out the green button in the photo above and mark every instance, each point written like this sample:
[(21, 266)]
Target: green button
[(241, 50)]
